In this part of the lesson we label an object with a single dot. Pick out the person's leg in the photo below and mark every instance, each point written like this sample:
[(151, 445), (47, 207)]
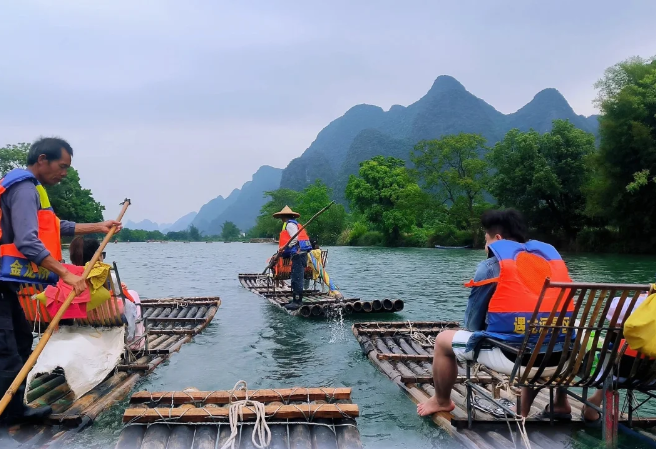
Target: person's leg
[(445, 373), (22, 329), (561, 403), (296, 275), (590, 414)]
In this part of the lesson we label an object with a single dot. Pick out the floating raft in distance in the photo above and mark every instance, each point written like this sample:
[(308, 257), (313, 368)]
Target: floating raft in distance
[(403, 351), (315, 302), (297, 418), (454, 247), (170, 323)]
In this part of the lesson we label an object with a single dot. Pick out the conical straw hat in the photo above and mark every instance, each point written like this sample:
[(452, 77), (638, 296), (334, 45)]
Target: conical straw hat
[(286, 212)]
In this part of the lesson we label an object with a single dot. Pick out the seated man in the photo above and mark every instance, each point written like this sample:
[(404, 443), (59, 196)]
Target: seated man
[(504, 294)]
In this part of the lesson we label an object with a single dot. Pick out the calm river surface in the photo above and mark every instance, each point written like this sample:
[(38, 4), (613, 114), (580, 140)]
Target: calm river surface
[(252, 340)]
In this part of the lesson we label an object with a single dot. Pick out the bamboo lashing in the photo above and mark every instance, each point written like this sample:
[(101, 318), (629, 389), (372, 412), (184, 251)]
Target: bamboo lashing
[(275, 258), (29, 364)]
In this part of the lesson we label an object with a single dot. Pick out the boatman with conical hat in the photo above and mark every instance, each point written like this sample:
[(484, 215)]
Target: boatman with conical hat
[(296, 250), (30, 252)]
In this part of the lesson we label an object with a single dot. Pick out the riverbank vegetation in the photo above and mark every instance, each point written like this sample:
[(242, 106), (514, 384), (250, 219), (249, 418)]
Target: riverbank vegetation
[(576, 193)]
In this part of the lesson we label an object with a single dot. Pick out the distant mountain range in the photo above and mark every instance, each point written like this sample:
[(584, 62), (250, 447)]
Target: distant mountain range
[(180, 225), (365, 131), (242, 206)]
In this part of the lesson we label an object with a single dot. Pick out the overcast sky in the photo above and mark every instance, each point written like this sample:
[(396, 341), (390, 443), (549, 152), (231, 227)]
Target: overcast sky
[(172, 103)]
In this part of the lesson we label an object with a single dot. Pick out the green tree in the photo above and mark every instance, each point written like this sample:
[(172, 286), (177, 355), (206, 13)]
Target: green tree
[(386, 195), (266, 225), (13, 156), (69, 200), (545, 176), (329, 225), (229, 231), (623, 190), (195, 235), (72, 202), (452, 169)]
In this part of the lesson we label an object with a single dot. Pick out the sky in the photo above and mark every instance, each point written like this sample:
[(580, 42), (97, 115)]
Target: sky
[(173, 103)]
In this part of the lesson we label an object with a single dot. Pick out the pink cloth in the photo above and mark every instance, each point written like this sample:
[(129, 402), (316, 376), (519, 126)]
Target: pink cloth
[(56, 295)]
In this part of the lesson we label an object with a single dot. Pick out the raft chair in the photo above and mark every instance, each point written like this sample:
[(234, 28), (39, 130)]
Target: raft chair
[(283, 268), (590, 358), (107, 314)]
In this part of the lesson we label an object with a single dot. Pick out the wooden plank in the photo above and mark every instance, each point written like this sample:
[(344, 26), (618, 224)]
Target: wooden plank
[(404, 357), (460, 379), (224, 397), (297, 411), (180, 320)]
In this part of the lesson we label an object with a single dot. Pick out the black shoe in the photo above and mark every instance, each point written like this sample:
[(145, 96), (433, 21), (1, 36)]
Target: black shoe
[(293, 305)]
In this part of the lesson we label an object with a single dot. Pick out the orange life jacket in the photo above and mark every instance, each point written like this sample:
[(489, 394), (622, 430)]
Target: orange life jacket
[(523, 269), (302, 239), (14, 266)]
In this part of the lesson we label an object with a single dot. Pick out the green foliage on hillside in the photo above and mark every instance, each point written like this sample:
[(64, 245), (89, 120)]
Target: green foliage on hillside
[(69, 200)]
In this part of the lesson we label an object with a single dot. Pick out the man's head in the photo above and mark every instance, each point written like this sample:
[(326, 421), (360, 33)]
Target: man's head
[(504, 224), (49, 159)]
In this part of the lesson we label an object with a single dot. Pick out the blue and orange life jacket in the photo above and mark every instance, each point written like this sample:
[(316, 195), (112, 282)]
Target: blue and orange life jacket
[(302, 238), (14, 266), (523, 269)]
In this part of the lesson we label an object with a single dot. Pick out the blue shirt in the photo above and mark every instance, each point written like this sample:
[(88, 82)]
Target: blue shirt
[(479, 299)]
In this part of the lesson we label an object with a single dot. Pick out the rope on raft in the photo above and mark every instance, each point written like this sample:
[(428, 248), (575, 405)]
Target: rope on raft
[(261, 433)]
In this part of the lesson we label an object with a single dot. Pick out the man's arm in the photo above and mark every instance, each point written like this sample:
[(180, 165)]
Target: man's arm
[(69, 228), (78, 283), (292, 230), (479, 297)]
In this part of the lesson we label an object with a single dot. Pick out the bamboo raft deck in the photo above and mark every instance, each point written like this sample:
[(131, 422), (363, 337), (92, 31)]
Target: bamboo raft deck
[(314, 418), (316, 303), (403, 351), (169, 322)]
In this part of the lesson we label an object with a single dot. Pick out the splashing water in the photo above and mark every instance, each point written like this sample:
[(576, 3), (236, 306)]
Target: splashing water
[(336, 323)]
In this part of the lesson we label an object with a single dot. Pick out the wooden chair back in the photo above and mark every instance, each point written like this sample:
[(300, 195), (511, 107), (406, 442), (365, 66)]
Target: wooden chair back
[(594, 332)]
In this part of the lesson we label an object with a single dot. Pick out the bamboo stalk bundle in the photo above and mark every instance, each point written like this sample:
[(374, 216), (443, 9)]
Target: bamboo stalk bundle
[(297, 417), (279, 293)]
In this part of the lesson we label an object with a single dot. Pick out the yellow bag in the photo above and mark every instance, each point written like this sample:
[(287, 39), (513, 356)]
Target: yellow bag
[(640, 327)]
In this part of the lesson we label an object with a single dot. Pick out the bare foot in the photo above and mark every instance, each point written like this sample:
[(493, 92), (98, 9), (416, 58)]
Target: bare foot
[(433, 406)]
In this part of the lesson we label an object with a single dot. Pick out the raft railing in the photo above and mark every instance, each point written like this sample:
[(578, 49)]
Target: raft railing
[(593, 332)]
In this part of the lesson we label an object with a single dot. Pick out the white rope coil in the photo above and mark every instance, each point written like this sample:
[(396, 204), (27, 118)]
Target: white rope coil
[(261, 434)]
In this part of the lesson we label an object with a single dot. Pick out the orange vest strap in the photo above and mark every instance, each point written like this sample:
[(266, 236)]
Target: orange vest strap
[(473, 283)]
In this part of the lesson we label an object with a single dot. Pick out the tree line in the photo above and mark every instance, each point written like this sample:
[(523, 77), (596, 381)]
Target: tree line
[(576, 193)]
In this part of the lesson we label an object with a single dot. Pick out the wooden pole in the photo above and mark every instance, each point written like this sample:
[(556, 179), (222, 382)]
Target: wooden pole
[(22, 374)]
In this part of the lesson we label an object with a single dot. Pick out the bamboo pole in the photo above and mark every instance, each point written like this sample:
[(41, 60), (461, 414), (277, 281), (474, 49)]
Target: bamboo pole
[(22, 374)]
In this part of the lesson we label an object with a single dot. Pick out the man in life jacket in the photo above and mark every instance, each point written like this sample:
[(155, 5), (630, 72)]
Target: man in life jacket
[(297, 250), (30, 252), (503, 297)]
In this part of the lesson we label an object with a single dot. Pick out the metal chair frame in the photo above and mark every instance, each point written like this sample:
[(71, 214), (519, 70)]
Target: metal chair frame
[(575, 368)]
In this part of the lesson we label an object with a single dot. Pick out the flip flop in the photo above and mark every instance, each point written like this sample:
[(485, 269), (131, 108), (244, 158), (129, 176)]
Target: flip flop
[(546, 415), (487, 406), (590, 423)]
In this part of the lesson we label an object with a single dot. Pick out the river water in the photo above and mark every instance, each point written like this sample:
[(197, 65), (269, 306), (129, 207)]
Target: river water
[(252, 340)]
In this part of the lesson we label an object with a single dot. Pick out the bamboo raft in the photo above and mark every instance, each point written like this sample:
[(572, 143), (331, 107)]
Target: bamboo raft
[(169, 323), (403, 351), (316, 303), (297, 418)]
